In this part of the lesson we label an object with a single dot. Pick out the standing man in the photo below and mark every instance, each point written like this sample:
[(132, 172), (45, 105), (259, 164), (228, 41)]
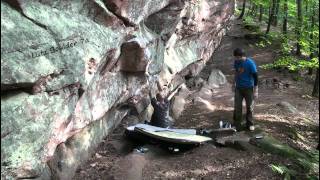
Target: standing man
[(245, 87)]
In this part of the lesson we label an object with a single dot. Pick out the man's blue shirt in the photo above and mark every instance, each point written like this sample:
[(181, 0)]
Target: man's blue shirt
[(244, 73)]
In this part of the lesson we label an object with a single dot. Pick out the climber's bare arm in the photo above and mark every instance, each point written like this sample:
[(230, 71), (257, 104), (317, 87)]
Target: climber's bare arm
[(173, 93)]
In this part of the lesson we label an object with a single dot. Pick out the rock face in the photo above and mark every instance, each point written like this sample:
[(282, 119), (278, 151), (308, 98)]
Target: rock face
[(70, 68)]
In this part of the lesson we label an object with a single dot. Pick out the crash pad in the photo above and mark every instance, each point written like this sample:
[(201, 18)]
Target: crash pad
[(173, 137), (148, 127)]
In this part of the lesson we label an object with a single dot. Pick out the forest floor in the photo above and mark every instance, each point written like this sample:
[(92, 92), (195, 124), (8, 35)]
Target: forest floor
[(299, 129)]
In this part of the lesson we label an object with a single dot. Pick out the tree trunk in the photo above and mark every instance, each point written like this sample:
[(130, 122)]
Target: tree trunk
[(271, 15), (275, 19), (299, 26), (312, 22), (253, 9), (268, 11), (315, 91), (310, 71), (285, 18), (261, 12), (256, 11), (243, 9), (250, 9), (306, 7)]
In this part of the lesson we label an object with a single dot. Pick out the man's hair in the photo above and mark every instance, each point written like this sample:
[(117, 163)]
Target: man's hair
[(239, 52), (159, 96)]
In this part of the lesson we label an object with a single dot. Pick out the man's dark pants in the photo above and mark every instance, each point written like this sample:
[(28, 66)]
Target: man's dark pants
[(240, 94)]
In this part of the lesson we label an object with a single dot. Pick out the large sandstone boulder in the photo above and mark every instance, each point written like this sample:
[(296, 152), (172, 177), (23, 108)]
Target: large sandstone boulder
[(216, 78), (178, 106), (179, 101), (204, 104), (287, 107), (68, 68)]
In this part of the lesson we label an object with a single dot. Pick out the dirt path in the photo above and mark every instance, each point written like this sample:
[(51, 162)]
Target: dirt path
[(115, 160)]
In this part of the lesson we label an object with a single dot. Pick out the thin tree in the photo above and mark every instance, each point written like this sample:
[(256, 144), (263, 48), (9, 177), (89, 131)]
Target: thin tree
[(253, 9), (285, 18), (261, 12), (267, 11), (275, 19), (312, 22), (315, 91), (256, 10), (271, 15), (243, 9), (310, 71), (299, 26), (306, 6), (250, 8)]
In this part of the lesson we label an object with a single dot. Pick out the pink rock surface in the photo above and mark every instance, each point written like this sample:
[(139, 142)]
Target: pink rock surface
[(62, 103)]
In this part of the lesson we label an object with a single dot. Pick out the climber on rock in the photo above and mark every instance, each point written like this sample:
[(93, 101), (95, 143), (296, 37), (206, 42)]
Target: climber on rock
[(161, 106)]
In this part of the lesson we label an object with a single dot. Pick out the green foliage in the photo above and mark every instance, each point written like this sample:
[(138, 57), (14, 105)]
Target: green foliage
[(283, 170), (285, 39), (292, 63), (237, 12), (308, 161), (311, 163), (250, 24), (274, 146), (308, 45), (266, 40), (309, 36), (264, 3), (286, 46), (248, 20), (263, 43)]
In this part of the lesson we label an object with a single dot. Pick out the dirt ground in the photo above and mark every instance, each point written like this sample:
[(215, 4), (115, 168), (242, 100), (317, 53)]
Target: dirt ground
[(116, 159)]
